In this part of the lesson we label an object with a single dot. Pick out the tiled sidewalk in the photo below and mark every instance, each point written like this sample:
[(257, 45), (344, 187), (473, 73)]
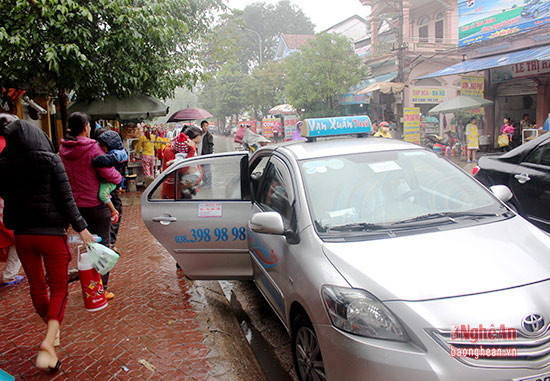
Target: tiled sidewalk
[(159, 326)]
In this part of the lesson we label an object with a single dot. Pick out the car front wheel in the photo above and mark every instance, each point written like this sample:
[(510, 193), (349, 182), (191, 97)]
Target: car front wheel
[(307, 352)]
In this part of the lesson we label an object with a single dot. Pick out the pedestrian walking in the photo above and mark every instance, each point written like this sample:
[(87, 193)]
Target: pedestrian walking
[(77, 152), (472, 138), (39, 206), (207, 147), (162, 141), (146, 144)]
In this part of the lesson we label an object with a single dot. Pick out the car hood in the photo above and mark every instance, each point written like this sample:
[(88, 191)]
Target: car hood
[(462, 261)]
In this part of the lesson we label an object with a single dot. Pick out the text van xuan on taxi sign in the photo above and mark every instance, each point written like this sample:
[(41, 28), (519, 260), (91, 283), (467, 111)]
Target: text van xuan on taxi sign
[(343, 125)]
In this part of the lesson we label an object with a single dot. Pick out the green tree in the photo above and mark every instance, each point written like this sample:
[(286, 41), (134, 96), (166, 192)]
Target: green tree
[(224, 94), (265, 87), (325, 68), (270, 21), (235, 38), (101, 47)]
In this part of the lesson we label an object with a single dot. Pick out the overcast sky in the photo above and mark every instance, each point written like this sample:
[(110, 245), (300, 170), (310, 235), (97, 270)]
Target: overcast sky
[(323, 13)]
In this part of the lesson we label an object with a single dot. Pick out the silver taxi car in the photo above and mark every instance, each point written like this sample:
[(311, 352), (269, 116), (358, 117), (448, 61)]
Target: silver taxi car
[(383, 260)]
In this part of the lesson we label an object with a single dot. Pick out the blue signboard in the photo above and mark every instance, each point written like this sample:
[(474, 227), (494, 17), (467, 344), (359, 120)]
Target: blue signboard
[(480, 20), (337, 126), (352, 99)]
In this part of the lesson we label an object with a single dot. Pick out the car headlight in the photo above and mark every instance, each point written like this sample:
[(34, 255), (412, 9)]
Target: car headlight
[(358, 312)]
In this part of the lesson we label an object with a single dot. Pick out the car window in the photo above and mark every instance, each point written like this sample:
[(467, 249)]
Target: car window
[(275, 190), (216, 178), (256, 172), (540, 155), (387, 187)]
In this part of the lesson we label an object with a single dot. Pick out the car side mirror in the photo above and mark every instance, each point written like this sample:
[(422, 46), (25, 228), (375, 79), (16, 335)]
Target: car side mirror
[(267, 223), (502, 192)]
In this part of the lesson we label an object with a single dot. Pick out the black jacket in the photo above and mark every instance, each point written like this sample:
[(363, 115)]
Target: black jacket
[(207, 143), (35, 188)]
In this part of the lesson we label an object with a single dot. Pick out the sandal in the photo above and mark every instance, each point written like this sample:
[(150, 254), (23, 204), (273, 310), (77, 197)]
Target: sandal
[(44, 360), (18, 278), (56, 342)]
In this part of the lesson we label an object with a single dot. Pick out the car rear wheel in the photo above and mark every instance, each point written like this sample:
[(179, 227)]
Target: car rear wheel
[(307, 352)]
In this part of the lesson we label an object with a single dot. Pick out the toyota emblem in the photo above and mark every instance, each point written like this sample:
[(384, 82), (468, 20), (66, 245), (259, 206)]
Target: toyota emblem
[(532, 324)]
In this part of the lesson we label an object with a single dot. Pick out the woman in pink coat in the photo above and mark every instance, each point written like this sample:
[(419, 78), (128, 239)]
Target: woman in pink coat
[(77, 151), (508, 129)]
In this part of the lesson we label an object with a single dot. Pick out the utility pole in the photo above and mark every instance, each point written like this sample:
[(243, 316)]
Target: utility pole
[(400, 65), (400, 48), (259, 40)]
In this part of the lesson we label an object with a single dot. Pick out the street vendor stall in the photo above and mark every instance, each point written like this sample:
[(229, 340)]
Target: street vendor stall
[(130, 109)]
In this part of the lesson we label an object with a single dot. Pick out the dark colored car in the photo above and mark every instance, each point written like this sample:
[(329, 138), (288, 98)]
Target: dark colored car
[(535, 8), (526, 171)]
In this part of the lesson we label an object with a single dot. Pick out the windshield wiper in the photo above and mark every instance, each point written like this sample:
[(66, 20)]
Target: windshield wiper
[(448, 215), (359, 226)]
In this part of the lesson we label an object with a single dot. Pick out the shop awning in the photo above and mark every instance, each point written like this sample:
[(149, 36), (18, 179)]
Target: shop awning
[(382, 83), (478, 64), (383, 87)]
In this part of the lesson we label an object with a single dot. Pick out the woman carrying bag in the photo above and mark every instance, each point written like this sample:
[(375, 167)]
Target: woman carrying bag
[(506, 133), (77, 151), (39, 206)]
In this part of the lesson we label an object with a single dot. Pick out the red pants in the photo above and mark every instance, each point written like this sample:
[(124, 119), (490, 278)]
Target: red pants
[(54, 250)]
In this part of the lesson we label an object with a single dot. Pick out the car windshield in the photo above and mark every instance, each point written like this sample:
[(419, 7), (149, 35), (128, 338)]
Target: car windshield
[(377, 190)]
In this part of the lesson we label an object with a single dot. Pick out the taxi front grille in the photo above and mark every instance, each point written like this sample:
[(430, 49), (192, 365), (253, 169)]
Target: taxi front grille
[(504, 351)]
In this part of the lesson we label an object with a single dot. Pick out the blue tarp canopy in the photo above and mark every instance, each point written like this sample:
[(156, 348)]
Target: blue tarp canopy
[(477, 64)]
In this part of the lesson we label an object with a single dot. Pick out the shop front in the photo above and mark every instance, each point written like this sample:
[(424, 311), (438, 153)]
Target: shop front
[(518, 83), (425, 98), (522, 90), (513, 100)]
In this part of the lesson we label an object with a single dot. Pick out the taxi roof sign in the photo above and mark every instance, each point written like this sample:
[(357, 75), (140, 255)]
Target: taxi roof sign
[(343, 125)]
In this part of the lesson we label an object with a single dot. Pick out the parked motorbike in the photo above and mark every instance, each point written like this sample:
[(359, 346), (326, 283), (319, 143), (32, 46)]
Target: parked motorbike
[(441, 145)]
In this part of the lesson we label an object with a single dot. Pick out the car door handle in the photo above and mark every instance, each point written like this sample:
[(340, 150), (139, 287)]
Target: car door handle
[(522, 178), (165, 219)]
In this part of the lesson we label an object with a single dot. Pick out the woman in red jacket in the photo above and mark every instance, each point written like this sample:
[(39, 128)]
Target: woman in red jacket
[(77, 151), (39, 206)]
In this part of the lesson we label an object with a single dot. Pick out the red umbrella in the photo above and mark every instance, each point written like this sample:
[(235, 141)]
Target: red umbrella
[(191, 113)]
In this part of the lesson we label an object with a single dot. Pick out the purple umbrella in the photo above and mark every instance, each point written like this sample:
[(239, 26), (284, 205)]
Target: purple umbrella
[(191, 113)]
